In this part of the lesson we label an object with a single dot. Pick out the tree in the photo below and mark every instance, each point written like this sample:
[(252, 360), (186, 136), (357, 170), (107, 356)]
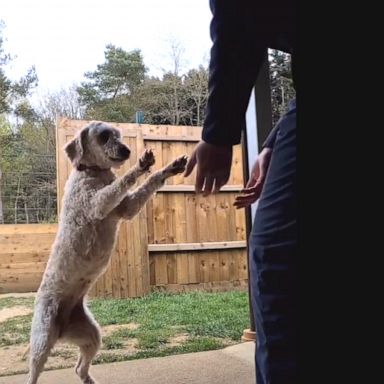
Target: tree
[(196, 85), (64, 102), (282, 90), (164, 100), (177, 98), (108, 93), (11, 92), (28, 185), (12, 156), (12, 162), (174, 80), (152, 98), (4, 130), (28, 165)]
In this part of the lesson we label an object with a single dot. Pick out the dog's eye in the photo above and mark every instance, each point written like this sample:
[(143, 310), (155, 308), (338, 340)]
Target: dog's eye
[(104, 137)]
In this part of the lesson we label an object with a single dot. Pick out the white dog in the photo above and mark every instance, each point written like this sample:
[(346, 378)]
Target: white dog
[(94, 203)]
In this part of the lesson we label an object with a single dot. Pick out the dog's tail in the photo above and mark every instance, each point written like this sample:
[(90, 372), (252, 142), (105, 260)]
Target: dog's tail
[(26, 351)]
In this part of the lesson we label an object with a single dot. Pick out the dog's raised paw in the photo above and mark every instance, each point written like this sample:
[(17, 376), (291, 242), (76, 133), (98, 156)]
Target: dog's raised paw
[(147, 159), (178, 165)]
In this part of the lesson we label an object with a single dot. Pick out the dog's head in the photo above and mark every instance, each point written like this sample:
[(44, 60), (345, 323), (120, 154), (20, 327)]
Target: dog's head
[(97, 144)]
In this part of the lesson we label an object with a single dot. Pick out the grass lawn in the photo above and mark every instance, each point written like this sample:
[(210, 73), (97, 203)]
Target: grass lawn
[(156, 325)]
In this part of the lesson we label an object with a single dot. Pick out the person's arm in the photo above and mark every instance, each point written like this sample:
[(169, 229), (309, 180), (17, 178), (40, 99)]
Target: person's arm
[(237, 54), (240, 30), (255, 184)]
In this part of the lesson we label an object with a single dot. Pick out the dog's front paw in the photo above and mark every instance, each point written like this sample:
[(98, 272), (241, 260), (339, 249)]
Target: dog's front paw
[(177, 166), (147, 160)]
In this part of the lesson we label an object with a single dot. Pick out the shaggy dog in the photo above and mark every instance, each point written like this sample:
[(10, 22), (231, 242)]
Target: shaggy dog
[(94, 203)]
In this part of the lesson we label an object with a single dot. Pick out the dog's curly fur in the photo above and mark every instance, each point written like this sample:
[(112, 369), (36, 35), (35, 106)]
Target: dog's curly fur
[(94, 203)]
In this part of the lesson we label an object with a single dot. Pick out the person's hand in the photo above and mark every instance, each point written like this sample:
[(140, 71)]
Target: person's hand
[(252, 190), (213, 167)]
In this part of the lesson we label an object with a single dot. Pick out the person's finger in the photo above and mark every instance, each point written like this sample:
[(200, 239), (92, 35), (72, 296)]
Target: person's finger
[(219, 182), (241, 199), (199, 180), (208, 186), (250, 195), (247, 191), (243, 204), (248, 200), (254, 194)]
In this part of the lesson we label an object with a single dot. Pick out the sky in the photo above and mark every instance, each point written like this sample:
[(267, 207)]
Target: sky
[(65, 38)]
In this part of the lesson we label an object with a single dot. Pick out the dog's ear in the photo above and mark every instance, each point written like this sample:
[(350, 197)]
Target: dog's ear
[(75, 148)]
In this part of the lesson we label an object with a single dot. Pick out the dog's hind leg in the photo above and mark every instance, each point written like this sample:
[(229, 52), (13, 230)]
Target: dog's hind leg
[(83, 331), (44, 334)]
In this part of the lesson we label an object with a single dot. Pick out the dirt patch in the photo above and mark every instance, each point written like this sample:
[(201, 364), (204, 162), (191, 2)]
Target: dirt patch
[(109, 329), (9, 313), (129, 348), (177, 340), (11, 359), (63, 355), (17, 295)]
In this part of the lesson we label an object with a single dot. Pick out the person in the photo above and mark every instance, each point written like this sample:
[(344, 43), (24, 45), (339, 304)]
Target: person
[(242, 31)]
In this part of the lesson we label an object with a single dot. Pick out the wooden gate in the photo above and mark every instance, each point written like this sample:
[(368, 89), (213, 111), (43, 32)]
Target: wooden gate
[(193, 241), (180, 241)]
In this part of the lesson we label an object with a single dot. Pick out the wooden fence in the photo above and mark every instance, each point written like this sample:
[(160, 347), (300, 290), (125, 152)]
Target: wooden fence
[(181, 241), (24, 250)]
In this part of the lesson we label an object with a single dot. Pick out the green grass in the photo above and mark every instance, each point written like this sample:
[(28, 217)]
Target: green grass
[(116, 339), (15, 330), (65, 354), (223, 315), (205, 317), (191, 345), (8, 302), (211, 321)]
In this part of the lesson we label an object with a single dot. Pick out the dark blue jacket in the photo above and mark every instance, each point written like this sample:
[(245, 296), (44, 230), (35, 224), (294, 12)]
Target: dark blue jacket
[(241, 31)]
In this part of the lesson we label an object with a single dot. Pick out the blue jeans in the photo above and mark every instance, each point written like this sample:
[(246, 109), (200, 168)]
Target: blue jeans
[(273, 249)]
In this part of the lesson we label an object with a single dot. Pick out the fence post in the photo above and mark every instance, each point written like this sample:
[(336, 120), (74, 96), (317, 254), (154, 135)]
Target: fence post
[(139, 117)]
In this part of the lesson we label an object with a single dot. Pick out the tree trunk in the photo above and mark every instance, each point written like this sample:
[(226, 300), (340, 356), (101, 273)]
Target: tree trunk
[(17, 199), (26, 212), (176, 104), (198, 112)]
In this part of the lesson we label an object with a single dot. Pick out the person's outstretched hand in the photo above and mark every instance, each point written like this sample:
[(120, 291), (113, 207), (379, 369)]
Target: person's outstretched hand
[(252, 190), (213, 167)]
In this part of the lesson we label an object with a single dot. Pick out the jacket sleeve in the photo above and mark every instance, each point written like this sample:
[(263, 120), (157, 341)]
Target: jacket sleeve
[(236, 58)]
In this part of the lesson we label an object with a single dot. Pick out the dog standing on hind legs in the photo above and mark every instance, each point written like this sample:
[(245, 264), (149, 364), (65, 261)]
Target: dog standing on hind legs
[(94, 202)]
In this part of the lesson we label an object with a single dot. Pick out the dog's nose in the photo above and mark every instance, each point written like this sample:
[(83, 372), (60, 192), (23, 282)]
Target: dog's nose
[(124, 152)]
